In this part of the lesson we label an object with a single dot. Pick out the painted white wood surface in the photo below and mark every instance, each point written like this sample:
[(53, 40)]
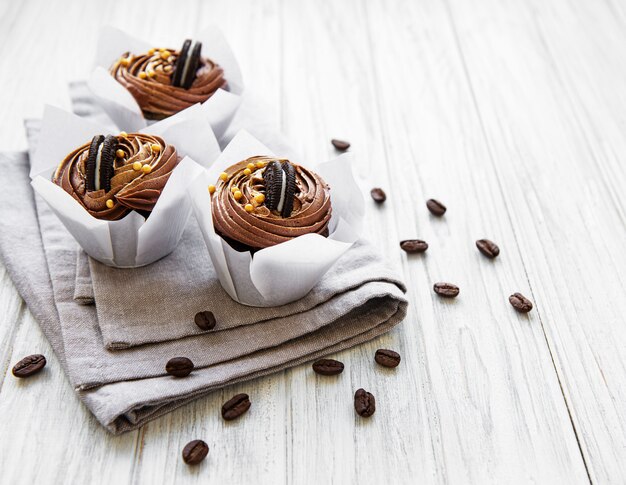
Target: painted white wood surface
[(510, 112)]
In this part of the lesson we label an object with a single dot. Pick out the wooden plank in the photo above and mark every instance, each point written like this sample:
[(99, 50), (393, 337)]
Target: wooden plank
[(559, 66), (489, 396)]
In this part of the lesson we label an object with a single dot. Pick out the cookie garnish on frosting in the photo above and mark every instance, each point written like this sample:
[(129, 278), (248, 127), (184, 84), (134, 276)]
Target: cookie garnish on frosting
[(272, 176), (186, 65), (263, 201), (288, 189), (113, 175), (166, 81), (99, 164), (90, 169)]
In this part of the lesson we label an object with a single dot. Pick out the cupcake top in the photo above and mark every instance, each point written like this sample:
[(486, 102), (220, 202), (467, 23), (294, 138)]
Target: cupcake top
[(263, 201), (113, 175), (166, 81)]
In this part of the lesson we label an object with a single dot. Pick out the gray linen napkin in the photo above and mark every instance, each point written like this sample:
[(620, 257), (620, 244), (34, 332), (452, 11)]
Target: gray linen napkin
[(156, 304), (126, 388)]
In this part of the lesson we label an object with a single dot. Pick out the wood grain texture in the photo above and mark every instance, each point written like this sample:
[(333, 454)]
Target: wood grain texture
[(512, 114), (569, 200)]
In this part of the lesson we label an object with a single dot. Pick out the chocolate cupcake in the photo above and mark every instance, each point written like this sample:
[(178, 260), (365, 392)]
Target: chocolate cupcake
[(166, 81), (264, 201), (111, 176)]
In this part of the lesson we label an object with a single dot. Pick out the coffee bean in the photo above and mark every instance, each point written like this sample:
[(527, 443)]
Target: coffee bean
[(520, 303), (235, 407), (340, 145), (387, 358), (488, 248), (414, 245), (364, 403), (378, 195), (195, 451), (328, 367), (436, 207), (179, 367), (205, 320), (446, 289), (29, 366)]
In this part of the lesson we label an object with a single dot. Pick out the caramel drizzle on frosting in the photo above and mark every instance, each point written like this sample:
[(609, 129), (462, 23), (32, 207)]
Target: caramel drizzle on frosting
[(138, 179), (260, 228), (148, 79)]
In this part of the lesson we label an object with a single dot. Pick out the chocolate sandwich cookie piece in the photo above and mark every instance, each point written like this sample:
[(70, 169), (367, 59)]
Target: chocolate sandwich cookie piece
[(107, 161), (90, 165), (179, 64), (191, 66), (289, 190), (273, 178)]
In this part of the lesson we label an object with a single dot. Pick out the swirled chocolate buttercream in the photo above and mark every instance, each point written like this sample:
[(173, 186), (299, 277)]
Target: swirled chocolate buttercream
[(113, 175), (263, 201), (166, 81)]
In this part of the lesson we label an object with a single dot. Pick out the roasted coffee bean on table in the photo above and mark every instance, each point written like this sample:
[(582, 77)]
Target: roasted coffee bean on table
[(520, 303), (447, 290), (29, 366), (364, 403), (378, 195), (387, 358), (413, 245), (205, 320), (195, 451), (235, 407), (435, 207), (179, 367), (340, 144), (488, 248), (328, 367)]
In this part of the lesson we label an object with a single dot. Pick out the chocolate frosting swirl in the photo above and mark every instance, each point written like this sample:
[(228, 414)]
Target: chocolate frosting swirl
[(138, 177), (258, 227), (148, 78)]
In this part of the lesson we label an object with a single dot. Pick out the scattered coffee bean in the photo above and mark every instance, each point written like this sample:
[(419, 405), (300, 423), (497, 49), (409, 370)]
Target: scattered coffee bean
[(235, 407), (387, 358), (435, 207), (328, 367), (378, 195), (29, 366), (340, 145), (364, 403), (195, 451), (520, 303), (414, 245), (488, 248), (179, 367), (205, 320), (446, 289)]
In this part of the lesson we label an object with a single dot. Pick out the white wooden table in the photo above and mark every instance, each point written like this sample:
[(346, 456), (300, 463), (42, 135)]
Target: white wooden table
[(513, 113)]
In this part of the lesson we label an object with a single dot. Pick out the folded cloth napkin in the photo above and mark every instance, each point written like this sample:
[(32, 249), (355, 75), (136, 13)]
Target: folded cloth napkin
[(127, 386)]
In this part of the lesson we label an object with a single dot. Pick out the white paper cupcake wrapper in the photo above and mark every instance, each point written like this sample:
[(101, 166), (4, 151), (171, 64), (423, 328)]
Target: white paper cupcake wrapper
[(122, 108), (286, 272), (132, 241)]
